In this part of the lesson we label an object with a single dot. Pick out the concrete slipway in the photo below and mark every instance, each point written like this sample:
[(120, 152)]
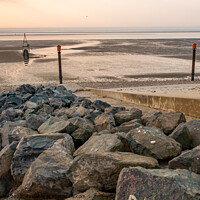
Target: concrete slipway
[(182, 98)]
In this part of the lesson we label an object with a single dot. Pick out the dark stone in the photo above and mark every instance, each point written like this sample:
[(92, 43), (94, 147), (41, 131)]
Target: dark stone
[(105, 121), (35, 121), (11, 114), (19, 132), (101, 170), (84, 129), (160, 184), (101, 105), (189, 160), (194, 129), (28, 149), (126, 116), (100, 143), (16, 101), (182, 135), (26, 88), (165, 121), (4, 187), (6, 156), (47, 175), (151, 141), (7, 128), (56, 125)]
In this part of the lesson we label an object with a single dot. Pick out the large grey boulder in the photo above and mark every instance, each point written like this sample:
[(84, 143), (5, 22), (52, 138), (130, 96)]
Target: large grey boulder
[(19, 132), (8, 128), (105, 121), (165, 121), (6, 156), (47, 175), (101, 170), (28, 149), (84, 129), (102, 142), (160, 184), (151, 141), (93, 194), (182, 135), (188, 160), (194, 129), (56, 125), (126, 116), (35, 121)]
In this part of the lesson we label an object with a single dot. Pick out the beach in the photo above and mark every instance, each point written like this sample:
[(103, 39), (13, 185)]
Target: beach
[(100, 63)]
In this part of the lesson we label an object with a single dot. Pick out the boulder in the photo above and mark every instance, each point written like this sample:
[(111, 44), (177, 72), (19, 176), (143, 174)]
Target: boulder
[(8, 128), (80, 112), (101, 170), (56, 125), (11, 114), (26, 88), (30, 105), (35, 121), (4, 187), (188, 160), (60, 113), (45, 109), (127, 126), (160, 184), (114, 110), (126, 116), (19, 132), (6, 156), (84, 129), (194, 129), (93, 194), (105, 121), (100, 105), (28, 149), (150, 117), (15, 101), (165, 121), (98, 143), (92, 116), (47, 176), (182, 135), (151, 141)]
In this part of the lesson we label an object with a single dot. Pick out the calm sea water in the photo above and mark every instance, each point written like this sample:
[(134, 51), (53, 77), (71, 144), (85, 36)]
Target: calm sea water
[(99, 33)]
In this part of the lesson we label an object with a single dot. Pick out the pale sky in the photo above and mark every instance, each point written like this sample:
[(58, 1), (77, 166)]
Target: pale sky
[(99, 13)]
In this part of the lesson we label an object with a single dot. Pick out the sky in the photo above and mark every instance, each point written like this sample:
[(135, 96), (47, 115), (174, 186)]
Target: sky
[(99, 13)]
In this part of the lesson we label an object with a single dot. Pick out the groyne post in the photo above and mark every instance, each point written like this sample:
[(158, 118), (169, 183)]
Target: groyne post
[(59, 63), (193, 61)]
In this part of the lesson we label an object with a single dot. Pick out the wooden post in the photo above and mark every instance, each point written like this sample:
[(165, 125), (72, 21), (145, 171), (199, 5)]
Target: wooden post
[(193, 61), (59, 63)]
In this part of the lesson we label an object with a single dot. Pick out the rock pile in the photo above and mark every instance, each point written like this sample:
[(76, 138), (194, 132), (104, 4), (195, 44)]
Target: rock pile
[(55, 145)]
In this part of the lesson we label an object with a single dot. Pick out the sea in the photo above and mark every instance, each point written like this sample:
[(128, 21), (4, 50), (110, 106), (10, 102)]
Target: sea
[(100, 33)]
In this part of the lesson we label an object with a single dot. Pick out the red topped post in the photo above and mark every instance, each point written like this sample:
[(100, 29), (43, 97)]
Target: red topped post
[(59, 63), (194, 46)]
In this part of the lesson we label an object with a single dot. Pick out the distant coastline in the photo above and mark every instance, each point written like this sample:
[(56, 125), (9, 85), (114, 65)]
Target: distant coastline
[(102, 30)]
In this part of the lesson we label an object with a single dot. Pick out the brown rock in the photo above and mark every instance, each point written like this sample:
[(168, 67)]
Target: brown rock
[(101, 170), (189, 160), (151, 141), (157, 184)]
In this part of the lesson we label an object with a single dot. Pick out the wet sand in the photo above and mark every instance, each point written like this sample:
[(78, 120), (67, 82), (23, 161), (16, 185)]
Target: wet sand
[(100, 63)]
